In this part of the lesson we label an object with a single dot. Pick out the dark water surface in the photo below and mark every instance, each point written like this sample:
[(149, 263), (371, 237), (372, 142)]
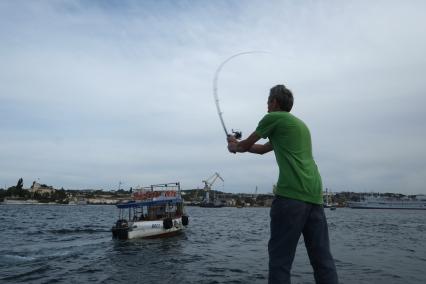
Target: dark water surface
[(72, 244)]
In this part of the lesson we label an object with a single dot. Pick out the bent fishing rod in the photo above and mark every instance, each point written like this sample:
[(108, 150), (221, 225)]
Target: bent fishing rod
[(236, 134)]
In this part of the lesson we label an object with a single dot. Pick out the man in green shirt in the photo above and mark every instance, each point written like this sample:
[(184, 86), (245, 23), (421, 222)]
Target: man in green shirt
[(297, 207)]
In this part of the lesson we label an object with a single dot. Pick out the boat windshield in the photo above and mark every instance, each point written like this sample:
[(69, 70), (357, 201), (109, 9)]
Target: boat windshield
[(149, 211)]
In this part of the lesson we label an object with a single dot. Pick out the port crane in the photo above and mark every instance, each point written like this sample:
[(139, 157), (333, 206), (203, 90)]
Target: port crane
[(255, 194), (208, 183)]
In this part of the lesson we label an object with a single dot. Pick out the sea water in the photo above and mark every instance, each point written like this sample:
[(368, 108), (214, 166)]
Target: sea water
[(73, 244)]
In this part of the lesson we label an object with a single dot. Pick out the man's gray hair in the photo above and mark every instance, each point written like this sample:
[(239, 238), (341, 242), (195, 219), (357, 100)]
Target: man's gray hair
[(283, 96)]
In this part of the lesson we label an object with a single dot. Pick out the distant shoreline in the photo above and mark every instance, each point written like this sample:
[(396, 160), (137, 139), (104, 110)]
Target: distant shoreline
[(36, 202)]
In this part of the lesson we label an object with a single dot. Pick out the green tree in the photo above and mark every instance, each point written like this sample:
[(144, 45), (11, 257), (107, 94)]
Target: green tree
[(20, 184), (59, 196)]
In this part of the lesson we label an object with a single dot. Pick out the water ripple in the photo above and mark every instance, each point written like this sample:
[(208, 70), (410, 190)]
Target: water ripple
[(221, 245)]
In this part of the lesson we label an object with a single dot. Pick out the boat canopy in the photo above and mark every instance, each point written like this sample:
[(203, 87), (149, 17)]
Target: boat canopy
[(163, 201)]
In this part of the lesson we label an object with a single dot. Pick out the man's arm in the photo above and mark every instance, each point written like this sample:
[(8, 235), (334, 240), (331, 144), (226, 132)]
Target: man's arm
[(261, 148), (248, 145)]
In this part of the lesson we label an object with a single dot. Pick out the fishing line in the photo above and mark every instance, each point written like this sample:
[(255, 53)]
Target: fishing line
[(237, 134)]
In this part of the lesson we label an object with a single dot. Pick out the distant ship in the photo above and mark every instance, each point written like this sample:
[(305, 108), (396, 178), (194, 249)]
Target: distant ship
[(380, 202), (328, 203), (216, 204)]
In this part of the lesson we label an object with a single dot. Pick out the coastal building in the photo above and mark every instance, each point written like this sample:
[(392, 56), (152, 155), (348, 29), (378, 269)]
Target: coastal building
[(41, 188)]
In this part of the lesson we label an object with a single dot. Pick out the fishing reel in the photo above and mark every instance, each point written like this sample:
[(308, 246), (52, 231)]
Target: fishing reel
[(237, 134)]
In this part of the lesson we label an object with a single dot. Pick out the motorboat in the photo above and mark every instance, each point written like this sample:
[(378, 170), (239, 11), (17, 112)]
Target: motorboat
[(154, 211)]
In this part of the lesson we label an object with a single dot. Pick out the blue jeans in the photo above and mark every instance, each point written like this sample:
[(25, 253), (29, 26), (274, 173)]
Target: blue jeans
[(289, 219)]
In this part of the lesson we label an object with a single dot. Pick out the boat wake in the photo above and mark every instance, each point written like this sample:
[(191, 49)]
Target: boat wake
[(14, 259), (77, 231)]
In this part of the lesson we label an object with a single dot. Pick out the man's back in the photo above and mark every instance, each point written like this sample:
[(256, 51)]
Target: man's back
[(290, 137)]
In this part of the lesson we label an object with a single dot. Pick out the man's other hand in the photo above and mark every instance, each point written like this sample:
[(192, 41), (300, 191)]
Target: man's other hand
[(232, 147)]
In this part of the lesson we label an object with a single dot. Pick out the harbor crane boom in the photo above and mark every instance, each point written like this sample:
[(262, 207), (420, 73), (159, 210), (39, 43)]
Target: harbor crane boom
[(208, 183)]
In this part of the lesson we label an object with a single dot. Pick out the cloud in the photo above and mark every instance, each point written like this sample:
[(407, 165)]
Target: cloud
[(93, 93)]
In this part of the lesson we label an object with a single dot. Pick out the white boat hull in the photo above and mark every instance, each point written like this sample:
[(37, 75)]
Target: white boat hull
[(147, 229)]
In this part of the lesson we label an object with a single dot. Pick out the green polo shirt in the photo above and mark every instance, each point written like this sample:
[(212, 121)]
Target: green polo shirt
[(299, 177)]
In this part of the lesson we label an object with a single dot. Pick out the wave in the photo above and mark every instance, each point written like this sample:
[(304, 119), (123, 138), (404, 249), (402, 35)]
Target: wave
[(13, 259), (77, 231), (36, 271)]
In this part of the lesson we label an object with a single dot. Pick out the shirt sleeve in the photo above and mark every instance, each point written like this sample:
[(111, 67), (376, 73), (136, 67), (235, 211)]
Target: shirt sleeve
[(266, 126)]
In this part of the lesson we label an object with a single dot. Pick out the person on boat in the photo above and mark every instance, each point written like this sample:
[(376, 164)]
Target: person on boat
[(297, 207)]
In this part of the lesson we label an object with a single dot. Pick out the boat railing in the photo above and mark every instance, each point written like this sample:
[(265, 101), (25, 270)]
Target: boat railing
[(157, 191)]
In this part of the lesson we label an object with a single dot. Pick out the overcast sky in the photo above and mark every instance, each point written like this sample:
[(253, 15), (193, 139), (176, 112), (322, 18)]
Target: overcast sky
[(97, 92)]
